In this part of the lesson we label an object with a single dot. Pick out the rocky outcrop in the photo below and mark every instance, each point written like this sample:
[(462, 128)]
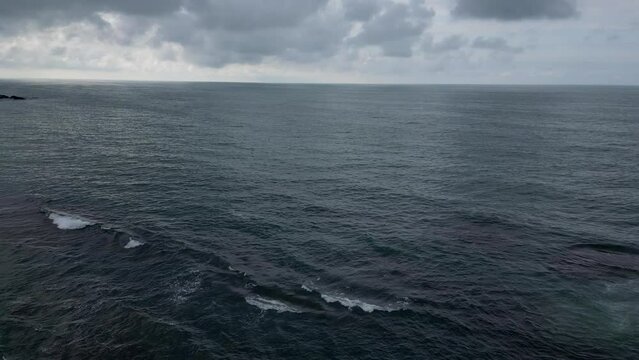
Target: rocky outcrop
[(12, 97)]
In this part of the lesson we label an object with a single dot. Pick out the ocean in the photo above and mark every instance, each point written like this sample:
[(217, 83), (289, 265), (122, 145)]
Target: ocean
[(145, 220)]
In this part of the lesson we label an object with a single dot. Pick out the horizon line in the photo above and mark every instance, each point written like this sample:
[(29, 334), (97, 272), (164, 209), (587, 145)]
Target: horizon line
[(308, 83)]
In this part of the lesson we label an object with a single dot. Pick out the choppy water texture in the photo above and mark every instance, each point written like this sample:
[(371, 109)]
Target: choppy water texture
[(239, 221)]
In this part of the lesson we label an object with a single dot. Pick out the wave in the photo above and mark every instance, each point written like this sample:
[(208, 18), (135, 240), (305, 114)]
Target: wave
[(69, 222), (237, 271), (270, 304), (607, 248), (186, 286), (133, 244), (353, 303)]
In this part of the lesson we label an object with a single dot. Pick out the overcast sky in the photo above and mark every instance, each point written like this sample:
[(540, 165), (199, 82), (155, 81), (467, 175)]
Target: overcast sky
[(353, 41)]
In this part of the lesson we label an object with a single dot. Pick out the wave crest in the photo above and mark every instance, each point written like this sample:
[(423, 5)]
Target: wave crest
[(270, 304), (133, 243), (69, 222), (351, 303)]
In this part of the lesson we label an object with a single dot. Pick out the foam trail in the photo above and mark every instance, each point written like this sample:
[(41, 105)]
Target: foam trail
[(69, 222), (185, 287), (133, 244), (270, 304), (237, 271), (351, 303)]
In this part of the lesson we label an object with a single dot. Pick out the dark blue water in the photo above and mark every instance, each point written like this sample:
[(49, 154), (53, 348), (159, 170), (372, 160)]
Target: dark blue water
[(246, 221)]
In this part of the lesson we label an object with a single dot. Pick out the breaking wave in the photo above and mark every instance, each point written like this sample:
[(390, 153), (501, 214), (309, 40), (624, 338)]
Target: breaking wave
[(367, 307), (185, 287), (133, 244), (69, 222), (356, 303), (270, 304)]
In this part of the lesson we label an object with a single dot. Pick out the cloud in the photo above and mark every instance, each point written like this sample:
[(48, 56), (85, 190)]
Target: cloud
[(247, 15), (315, 37), (318, 40), (361, 10), (216, 33), (511, 10), (495, 44), (396, 28), (448, 43), (16, 15), (73, 8)]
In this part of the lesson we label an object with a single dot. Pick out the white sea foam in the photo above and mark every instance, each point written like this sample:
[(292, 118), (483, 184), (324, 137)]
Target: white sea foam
[(69, 222), (133, 243), (270, 304), (351, 303), (367, 307), (184, 288), (237, 271)]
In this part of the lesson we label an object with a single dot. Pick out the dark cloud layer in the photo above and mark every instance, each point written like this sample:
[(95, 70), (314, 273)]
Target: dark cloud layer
[(243, 15), (447, 44), (361, 10), (48, 12), (510, 10), (396, 28), (219, 32), (32, 8), (123, 34), (322, 40)]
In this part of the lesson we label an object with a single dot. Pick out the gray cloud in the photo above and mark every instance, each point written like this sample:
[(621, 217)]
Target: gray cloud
[(313, 39), (449, 43), (226, 14), (212, 32), (515, 9), (396, 28), (218, 33), (242, 15), (319, 40), (46, 13), (215, 33), (361, 10), (495, 44)]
